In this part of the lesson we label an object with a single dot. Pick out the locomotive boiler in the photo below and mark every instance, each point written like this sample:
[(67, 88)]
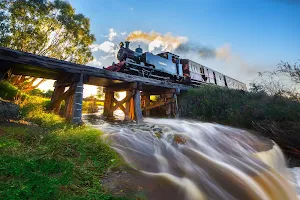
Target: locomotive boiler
[(170, 67)]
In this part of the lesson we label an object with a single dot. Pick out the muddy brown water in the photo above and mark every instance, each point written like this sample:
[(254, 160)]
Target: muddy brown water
[(189, 160)]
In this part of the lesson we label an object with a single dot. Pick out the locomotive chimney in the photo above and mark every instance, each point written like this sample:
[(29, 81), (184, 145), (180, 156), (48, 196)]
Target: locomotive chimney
[(127, 44)]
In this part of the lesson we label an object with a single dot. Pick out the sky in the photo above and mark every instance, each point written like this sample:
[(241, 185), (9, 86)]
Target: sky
[(248, 36)]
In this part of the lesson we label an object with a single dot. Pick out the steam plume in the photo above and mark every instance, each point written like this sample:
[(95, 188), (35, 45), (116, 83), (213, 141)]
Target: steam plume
[(202, 51), (168, 42)]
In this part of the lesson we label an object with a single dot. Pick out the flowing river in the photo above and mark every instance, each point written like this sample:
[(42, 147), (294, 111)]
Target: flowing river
[(188, 160)]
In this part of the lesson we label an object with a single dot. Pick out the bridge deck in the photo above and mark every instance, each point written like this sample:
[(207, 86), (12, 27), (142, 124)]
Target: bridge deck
[(22, 63)]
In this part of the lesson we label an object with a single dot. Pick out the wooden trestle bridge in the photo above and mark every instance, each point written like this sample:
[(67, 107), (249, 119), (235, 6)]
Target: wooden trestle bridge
[(73, 76)]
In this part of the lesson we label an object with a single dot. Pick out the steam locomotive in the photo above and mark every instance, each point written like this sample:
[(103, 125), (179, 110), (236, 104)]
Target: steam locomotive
[(169, 66)]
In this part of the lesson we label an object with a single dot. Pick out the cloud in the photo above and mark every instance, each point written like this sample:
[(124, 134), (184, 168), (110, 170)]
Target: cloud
[(112, 34), (123, 33), (106, 46), (167, 42), (95, 63)]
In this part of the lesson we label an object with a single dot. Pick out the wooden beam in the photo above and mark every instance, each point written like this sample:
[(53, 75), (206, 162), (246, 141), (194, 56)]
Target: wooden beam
[(158, 104), (127, 107), (119, 103), (108, 103), (169, 109), (121, 87), (176, 110), (56, 99), (69, 105), (147, 103), (137, 107), (122, 108)]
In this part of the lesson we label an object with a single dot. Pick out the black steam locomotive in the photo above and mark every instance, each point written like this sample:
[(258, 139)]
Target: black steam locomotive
[(169, 66)]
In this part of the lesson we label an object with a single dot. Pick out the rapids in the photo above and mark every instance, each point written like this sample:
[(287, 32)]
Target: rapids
[(198, 161)]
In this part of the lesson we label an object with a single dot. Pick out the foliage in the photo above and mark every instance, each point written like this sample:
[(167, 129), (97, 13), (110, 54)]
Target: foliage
[(100, 93), (273, 84), (8, 91), (38, 92), (292, 71), (48, 28), (236, 107), (90, 106)]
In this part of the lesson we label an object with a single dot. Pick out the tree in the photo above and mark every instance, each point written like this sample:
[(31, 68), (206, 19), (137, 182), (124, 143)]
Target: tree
[(292, 71), (47, 28), (100, 93), (270, 83)]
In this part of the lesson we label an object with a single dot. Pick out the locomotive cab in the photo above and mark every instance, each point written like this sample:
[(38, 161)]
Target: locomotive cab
[(173, 60)]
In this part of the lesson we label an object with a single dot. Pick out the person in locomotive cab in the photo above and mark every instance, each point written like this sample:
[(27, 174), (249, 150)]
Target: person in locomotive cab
[(121, 44)]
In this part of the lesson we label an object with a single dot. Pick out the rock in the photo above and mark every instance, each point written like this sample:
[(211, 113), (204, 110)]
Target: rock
[(8, 110), (179, 139)]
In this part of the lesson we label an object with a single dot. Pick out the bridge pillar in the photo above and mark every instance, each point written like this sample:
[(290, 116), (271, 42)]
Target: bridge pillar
[(146, 103), (77, 101), (56, 98), (129, 108), (108, 104), (137, 107), (175, 106)]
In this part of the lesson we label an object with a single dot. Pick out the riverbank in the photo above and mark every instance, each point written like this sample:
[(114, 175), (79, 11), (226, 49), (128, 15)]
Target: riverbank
[(45, 157)]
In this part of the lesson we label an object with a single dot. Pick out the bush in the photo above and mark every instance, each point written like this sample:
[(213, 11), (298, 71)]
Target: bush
[(8, 91), (236, 107), (90, 106)]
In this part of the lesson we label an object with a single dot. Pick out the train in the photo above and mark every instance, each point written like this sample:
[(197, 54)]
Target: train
[(171, 67)]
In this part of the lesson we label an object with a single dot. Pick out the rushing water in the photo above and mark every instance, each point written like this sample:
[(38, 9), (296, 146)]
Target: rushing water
[(195, 160)]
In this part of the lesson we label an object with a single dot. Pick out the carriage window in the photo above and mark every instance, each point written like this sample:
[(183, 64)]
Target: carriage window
[(202, 70)]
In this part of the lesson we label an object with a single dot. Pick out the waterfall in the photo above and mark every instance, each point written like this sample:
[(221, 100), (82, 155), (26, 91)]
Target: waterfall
[(195, 160)]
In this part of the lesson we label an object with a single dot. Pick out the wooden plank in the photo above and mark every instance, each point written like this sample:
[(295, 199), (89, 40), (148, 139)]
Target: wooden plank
[(119, 103), (137, 107), (158, 104), (121, 87), (122, 108), (69, 106), (56, 98)]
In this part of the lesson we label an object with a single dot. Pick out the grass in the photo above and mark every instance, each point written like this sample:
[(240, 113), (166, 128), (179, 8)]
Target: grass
[(50, 158), (60, 164)]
